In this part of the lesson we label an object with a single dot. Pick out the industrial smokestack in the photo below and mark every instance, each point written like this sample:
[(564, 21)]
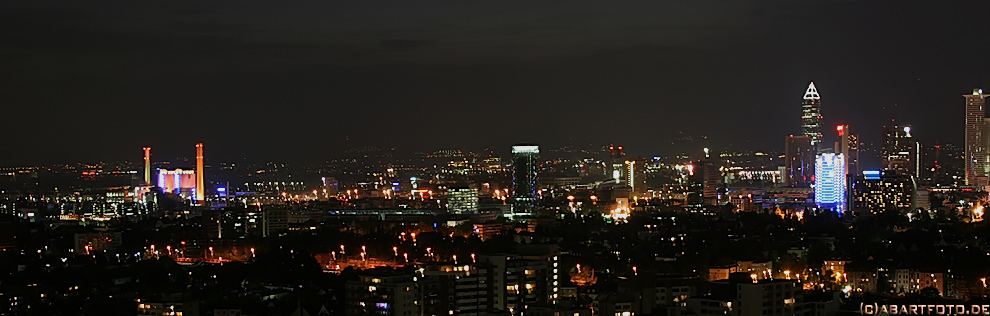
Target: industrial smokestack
[(147, 165), (200, 196)]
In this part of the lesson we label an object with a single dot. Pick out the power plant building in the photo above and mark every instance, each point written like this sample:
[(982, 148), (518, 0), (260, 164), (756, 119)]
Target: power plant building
[(178, 181)]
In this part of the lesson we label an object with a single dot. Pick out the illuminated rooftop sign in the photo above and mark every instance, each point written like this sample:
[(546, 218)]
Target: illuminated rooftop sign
[(526, 149)]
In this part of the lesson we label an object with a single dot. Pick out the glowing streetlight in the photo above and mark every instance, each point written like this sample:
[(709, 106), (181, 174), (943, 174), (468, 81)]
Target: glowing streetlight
[(472, 259), (406, 256), (252, 252), (342, 250), (455, 259), (395, 250)]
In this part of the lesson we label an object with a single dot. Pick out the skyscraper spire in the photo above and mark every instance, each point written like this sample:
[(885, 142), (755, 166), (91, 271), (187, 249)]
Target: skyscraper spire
[(812, 93), (811, 117)]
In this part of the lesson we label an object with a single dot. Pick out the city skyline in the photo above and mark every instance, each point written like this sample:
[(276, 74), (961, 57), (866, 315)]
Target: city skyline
[(739, 66), (510, 158), (889, 154)]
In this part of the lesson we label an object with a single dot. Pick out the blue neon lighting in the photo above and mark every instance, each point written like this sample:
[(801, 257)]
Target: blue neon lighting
[(872, 174), (830, 177)]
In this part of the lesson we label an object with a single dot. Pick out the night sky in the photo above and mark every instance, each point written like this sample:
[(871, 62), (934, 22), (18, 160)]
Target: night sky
[(303, 81)]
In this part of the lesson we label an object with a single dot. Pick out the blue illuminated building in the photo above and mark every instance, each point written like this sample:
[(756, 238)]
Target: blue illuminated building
[(830, 181), (525, 159)]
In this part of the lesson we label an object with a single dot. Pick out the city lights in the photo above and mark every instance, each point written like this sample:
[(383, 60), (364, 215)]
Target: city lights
[(552, 145)]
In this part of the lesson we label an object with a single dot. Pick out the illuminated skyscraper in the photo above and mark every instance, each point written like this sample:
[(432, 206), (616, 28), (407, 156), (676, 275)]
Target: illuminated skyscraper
[(811, 117), (830, 181), (799, 162), (525, 159), (630, 177), (976, 139), (900, 151), (848, 145), (617, 162)]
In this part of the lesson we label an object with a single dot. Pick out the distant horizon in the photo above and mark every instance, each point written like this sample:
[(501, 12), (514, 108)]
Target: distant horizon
[(320, 77)]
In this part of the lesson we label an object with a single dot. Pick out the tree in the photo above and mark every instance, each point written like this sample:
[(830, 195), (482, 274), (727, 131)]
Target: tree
[(930, 293)]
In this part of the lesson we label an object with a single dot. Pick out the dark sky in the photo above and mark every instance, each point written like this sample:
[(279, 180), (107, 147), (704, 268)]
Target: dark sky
[(284, 80)]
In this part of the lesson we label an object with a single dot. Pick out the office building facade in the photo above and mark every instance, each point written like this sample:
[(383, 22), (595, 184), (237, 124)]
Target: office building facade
[(830, 184), (525, 160), (900, 151), (977, 172), (811, 117)]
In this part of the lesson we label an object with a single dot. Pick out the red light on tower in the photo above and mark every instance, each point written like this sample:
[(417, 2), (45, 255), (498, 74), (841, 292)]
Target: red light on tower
[(841, 129)]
